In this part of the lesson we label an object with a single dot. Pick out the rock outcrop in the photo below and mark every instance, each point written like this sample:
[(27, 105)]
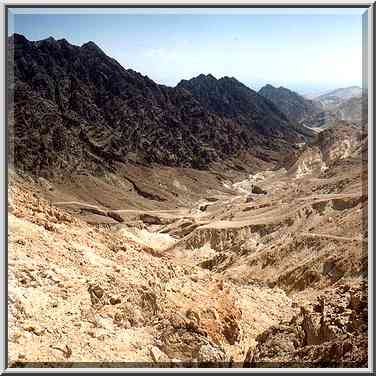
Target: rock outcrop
[(329, 333)]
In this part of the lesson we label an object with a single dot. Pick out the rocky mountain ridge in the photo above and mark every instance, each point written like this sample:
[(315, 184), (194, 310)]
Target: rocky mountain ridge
[(79, 110), (294, 106)]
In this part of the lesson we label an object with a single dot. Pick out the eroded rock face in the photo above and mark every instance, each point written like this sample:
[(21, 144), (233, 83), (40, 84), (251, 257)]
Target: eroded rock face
[(329, 333), (78, 110), (185, 341)]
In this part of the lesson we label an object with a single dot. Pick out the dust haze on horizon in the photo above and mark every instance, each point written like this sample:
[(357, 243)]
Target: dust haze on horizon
[(309, 52)]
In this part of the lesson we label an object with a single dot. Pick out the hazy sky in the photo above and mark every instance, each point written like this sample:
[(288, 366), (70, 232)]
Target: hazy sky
[(306, 50)]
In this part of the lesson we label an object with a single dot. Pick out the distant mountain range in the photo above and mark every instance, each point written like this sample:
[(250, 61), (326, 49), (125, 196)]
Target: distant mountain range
[(323, 111), (343, 93), (336, 97), (352, 110), (349, 89), (346, 104)]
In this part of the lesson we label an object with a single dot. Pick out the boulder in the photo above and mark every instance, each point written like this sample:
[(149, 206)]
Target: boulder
[(258, 191)]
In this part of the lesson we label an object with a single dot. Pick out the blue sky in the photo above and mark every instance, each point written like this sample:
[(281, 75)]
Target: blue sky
[(306, 50)]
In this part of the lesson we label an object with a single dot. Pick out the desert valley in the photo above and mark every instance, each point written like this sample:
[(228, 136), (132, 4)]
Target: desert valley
[(201, 225)]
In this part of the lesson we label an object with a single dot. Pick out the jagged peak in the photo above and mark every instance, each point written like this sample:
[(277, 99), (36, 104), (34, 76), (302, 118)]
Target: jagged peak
[(210, 78), (232, 80), (277, 89), (206, 76), (268, 86), (202, 77), (92, 46), (49, 39), (286, 89), (225, 78), (18, 38), (63, 40)]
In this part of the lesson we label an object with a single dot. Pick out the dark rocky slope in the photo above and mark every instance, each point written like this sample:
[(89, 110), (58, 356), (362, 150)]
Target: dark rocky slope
[(230, 98), (294, 106), (76, 110)]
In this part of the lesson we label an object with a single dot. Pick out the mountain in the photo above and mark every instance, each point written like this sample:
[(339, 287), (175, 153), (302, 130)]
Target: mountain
[(344, 93), (78, 110), (351, 110), (294, 106), (345, 104), (230, 98), (336, 97)]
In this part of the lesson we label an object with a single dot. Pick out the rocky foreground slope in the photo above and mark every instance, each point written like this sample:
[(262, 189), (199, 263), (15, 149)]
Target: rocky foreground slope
[(264, 271)]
